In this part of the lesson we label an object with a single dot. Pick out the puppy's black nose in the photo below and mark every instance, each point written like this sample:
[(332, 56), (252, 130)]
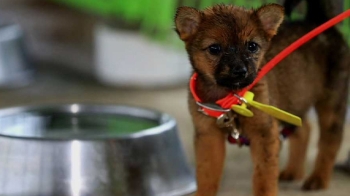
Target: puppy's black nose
[(240, 71)]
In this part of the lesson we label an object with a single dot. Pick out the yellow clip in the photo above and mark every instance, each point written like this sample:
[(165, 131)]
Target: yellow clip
[(242, 109), (271, 110)]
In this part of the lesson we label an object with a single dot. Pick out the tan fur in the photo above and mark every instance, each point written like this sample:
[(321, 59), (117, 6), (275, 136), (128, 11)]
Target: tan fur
[(315, 75), (298, 143)]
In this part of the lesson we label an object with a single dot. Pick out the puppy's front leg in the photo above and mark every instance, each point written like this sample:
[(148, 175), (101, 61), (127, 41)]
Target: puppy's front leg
[(265, 145), (210, 154)]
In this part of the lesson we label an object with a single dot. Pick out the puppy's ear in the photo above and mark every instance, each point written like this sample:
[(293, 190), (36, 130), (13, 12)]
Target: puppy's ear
[(187, 20), (270, 16)]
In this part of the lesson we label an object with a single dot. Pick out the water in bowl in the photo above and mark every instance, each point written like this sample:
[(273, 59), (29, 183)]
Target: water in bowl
[(63, 126)]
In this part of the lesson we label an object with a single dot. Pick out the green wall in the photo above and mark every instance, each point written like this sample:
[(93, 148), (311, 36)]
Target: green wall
[(155, 17)]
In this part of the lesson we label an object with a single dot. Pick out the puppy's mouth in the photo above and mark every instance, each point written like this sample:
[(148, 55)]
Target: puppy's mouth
[(234, 84)]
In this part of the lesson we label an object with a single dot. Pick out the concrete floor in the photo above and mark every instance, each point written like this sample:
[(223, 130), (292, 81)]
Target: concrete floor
[(62, 88)]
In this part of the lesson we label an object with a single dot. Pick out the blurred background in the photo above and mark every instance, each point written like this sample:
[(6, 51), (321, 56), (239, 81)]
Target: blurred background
[(117, 52)]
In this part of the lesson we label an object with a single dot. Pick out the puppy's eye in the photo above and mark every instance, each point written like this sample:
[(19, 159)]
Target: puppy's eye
[(214, 49), (252, 47)]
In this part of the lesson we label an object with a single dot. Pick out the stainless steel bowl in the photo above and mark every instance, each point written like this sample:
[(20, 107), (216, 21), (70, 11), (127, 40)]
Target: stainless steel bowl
[(96, 150), (15, 69)]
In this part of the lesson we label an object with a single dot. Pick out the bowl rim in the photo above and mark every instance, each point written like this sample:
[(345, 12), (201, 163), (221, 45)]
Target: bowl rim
[(166, 122)]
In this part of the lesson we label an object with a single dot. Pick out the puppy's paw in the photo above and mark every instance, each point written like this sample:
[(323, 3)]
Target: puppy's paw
[(290, 175), (315, 182)]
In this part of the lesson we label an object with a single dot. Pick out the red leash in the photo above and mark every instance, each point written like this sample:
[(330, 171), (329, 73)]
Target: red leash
[(230, 99)]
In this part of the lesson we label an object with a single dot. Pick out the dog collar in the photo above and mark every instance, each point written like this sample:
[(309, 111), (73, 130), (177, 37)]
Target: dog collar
[(218, 108), (218, 111), (238, 103)]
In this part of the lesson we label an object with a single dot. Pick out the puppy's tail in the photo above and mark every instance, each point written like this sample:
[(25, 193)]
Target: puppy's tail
[(318, 11)]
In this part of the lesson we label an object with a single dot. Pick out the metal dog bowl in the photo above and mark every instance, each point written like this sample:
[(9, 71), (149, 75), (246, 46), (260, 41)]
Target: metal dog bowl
[(91, 150)]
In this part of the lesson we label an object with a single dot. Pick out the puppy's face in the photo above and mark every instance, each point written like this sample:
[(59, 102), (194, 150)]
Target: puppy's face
[(225, 43)]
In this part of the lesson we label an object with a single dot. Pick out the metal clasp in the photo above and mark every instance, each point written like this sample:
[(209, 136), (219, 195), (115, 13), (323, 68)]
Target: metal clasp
[(235, 133), (225, 120), (213, 106), (241, 99)]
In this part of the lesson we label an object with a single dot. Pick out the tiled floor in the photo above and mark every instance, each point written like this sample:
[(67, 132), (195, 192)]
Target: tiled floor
[(52, 88)]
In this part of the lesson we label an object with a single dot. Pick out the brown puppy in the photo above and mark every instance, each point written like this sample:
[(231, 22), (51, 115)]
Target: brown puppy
[(227, 46)]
